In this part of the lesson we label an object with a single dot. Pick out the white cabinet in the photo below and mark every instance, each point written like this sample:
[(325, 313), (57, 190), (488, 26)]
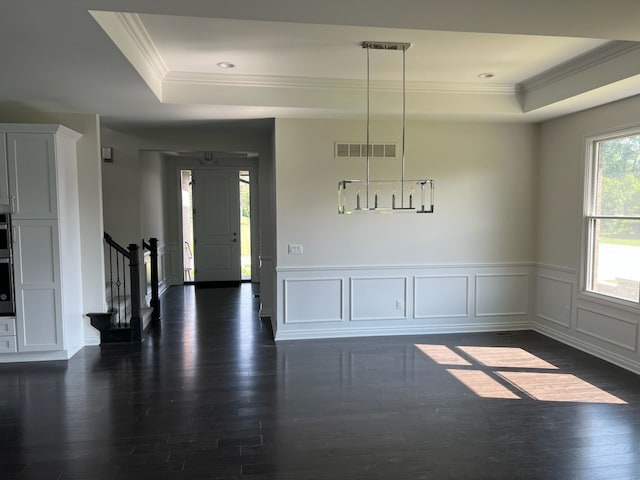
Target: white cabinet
[(8, 335), (32, 175), (4, 176), (7, 327), (43, 198), (37, 280)]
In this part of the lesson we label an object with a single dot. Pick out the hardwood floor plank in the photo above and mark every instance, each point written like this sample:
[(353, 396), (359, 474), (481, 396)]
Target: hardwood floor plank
[(209, 395)]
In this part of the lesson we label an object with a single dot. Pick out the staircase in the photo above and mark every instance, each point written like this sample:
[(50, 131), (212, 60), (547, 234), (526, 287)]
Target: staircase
[(126, 320)]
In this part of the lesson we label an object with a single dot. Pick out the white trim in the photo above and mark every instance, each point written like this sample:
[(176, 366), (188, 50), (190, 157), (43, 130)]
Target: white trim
[(308, 268), (392, 324), (605, 339), (280, 81), (620, 361), (35, 356), (138, 34), (609, 301), (571, 300), (590, 60), (467, 299), (395, 330), (52, 128), (503, 314), (92, 341), (285, 293), (353, 318), (548, 266)]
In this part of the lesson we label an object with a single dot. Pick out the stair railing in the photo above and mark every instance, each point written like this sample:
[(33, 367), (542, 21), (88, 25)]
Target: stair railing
[(123, 322), (118, 259)]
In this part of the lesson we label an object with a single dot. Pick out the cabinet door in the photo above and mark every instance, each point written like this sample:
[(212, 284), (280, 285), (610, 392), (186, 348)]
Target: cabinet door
[(32, 175), (4, 174), (37, 286)]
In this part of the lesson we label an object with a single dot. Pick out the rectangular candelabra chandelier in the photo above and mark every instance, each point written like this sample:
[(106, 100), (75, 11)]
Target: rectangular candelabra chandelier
[(385, 196)]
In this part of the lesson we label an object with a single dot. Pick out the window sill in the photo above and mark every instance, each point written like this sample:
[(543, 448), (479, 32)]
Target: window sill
[(607, 301)]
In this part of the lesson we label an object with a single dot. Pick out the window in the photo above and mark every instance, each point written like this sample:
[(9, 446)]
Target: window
[(612, 216)]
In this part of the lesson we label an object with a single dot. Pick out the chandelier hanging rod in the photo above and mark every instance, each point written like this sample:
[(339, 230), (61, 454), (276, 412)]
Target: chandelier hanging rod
[(404, 46)]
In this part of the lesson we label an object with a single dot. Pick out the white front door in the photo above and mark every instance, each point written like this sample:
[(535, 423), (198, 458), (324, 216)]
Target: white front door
[(216, 225)]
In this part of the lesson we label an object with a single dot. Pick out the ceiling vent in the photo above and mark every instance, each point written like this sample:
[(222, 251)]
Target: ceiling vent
[(359, 150)]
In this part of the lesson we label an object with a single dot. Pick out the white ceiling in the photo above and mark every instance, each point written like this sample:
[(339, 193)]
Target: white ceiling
[(190, 44), (155, 61)]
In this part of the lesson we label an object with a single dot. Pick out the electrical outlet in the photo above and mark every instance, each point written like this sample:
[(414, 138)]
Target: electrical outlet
[(295, 249)]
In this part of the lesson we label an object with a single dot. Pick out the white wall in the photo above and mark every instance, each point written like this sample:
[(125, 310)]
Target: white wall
[(90, 196), (485, 205), (152, 197), (484, 195), (121, 183), (605, 328)]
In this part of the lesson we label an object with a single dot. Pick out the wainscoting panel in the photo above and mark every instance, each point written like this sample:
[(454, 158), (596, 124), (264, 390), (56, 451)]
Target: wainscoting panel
[(329, 302), (599, 326), (554, 300), (441, 296), (313, 300), (616, 331), (378, 298), (500, 294)]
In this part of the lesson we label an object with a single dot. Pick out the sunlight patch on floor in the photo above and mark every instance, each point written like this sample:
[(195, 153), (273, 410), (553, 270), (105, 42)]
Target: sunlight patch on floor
[(558, 387), (482, 384), (513, 373), (442, 354), (506, 357)]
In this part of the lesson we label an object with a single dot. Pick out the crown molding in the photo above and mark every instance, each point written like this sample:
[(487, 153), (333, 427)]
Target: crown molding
[(139, 36), (587, 61), (275, 81)]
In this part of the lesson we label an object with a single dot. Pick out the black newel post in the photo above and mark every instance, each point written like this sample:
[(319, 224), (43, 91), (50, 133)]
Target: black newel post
[(155, 300), (136, 318)]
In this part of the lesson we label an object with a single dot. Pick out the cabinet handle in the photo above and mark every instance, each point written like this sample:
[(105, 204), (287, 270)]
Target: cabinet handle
[(13, 204), (13, 234)]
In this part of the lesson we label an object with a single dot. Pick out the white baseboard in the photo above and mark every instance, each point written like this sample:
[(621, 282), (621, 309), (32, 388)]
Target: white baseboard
[(589, 348), (91, 341), (399, 330), (34, 356)]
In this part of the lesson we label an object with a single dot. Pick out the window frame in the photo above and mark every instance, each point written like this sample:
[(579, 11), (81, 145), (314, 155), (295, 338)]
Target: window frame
[(588, 218)]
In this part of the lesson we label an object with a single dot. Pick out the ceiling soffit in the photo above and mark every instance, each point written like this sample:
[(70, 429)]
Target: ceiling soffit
[(602, 74)]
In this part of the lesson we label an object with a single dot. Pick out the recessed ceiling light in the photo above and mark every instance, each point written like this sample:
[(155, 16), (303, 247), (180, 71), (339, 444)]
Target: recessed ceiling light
[(482, 75), (226, 65)]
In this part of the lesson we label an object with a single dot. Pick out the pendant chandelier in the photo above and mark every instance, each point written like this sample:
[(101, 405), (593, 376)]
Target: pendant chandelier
[(385, 196)]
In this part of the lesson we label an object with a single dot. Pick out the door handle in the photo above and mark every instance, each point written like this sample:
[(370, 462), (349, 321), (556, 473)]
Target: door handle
[(13, 204)]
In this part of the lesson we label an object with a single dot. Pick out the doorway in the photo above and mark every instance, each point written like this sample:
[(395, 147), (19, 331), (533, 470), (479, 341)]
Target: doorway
[(216, 225)]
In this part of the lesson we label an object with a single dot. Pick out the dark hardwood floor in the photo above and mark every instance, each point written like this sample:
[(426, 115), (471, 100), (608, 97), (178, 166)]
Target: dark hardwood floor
[(209, 395)]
